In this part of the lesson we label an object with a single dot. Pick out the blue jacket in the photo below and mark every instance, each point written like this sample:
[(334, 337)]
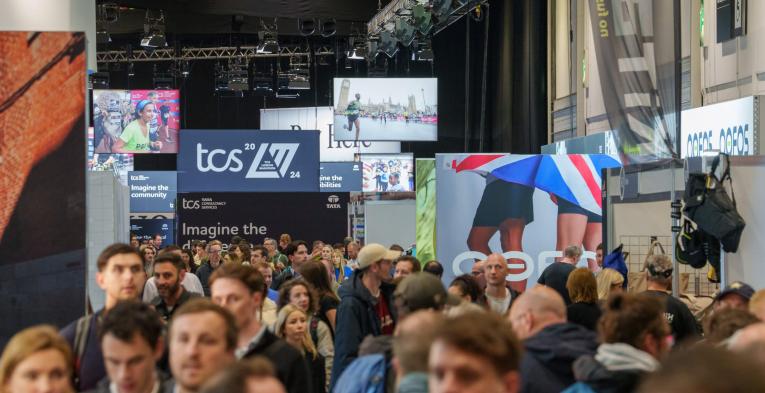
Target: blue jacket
[(356, 319)]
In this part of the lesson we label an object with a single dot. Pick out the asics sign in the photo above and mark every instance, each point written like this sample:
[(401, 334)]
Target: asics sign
[(244, 160)]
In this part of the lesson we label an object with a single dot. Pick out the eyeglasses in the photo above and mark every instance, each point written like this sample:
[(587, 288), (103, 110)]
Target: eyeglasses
[(215, 251)]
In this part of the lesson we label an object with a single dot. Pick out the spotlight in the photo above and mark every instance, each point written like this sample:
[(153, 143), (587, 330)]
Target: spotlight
[(388, 44), (424, 51), (372, 49), (306, 26), (357, 48), (154, 31), (267, 38), (110, 12), (328, 28), (185, 69), (131, 69)]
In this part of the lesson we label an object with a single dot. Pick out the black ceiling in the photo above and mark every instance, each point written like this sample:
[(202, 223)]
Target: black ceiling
[(214, 16)]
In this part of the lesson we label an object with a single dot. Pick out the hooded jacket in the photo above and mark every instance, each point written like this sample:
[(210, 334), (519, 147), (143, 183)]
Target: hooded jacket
[(547, 365), (615, 368), (356, 319)]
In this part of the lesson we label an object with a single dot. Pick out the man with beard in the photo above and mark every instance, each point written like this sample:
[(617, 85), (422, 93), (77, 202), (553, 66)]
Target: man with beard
[(169, 271)]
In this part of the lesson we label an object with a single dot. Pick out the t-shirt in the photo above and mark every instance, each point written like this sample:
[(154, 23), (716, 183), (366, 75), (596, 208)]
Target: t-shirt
[(678, 316), (584, 314), (386, 319), (555, 277), (134, 138), (396, 187), (499, 306)]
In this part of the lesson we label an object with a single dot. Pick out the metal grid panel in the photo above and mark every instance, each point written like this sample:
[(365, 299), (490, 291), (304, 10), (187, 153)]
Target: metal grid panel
[(638, 245)]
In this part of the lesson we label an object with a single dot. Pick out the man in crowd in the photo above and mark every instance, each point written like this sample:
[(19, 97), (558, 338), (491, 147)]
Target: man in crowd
[(169, 271), (498, 296), (204, 272), (735, 295), (474, 353), (202, 338), (478, 271), (599, 255), (121, 276), (556, 275), (406, 265), (267, 272), (659, 279), (352, 249), (411, 347), (551, 344), (258, 254), (131, 341), (189, 281), (434, 268), (366, 305), (200, 255), (297, 253), (274, 256), (157, 241), (252, 376), (241, 289)]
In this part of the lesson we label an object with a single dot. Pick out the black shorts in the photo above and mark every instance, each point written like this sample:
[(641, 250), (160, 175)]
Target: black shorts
[(352, 117), (565, 206), (502, 200)]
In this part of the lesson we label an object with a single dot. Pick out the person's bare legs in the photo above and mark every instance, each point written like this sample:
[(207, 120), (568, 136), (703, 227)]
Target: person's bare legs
[(571, 229), (593, 236), (478, 239), (357, 122), (511, 238)]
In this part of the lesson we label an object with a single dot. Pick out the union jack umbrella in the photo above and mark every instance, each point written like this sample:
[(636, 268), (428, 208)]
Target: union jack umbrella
[(573, 177)]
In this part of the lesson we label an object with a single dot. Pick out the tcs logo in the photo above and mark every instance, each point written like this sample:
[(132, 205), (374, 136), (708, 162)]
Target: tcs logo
[(271, 160), (192, 204)]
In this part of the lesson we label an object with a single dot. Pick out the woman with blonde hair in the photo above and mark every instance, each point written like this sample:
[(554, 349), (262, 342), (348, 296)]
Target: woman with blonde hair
[(36, 359), (609, 281), (292, 326)]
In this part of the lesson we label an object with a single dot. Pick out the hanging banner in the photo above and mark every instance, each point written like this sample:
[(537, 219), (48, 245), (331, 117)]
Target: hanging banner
[(146, 229), (340, 176), (152, 192), (635, 51), (248, 160), (322, 118), (526, 207), (254, 216), (425, 185)]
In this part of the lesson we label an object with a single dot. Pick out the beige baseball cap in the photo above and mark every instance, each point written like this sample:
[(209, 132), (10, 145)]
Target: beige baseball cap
[(374, 252)]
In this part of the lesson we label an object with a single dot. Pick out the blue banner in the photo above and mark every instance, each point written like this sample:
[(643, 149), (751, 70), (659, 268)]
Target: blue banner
[(248, 160), (340, 176), (152, 192), (146, 229)]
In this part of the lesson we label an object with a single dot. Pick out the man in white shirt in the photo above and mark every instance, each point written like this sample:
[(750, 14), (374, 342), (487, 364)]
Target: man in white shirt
[(190, 281), (498, 296)]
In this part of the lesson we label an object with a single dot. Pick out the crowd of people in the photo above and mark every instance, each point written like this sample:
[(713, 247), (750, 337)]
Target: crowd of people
[(288, 316)]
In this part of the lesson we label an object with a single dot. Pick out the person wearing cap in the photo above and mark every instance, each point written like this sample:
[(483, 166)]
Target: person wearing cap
[(735, 295), (421, 291), (679, 317), (366, 305), (551, 344)]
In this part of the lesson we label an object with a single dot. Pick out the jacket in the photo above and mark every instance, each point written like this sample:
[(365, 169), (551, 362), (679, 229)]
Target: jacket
[(165, 385), (291, 367), (550, 354), (356, 319), (203, 273), (89, 369), (614, 368), (286, 275)]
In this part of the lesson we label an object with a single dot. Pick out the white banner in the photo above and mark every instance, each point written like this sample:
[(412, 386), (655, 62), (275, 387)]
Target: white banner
[(727, 127), (321, 118)]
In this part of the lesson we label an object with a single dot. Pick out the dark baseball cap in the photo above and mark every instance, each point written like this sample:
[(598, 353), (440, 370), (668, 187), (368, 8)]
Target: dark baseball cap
[(740, 288), (421, 290)]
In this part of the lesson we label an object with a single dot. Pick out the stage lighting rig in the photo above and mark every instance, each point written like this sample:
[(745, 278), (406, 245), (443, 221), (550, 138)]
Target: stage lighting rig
[(268, 42), (154, 31)]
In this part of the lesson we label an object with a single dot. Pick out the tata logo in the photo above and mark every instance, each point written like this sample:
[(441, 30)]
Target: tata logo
[(355, 167), (271, 161), (164, 227), (333, 202), (192, 204)]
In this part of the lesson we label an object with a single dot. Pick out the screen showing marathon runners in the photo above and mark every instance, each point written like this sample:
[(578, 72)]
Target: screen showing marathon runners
[(386, 109), (136, 121), (388, 172)]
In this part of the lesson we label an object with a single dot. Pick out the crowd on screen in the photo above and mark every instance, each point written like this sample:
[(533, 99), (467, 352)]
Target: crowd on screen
[(289, 316)]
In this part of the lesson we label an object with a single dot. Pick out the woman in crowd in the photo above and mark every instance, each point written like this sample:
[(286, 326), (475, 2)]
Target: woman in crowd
[(316, 275), (292, 325), (36, 359), (330, 267), (232, 257), (342, 270), (634, 336), (583, 291), (136, 137), (148, 252), (609, 281), (284, 240), (188, 260), (242, 250), (466, 288), (298, 292)]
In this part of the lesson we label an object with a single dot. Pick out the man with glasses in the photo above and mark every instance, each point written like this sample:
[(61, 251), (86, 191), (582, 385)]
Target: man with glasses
[(274, 256), (204, 272)]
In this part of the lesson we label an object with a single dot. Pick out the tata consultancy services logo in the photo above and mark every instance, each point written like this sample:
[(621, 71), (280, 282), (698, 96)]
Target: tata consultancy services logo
[(333, 202), (272, 160)]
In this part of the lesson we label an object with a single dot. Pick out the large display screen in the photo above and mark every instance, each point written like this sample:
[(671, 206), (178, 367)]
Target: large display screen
[(136, 121), (386, 109), (388, 172)]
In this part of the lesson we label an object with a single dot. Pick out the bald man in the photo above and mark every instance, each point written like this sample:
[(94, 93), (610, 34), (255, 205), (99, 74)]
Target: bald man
[(498, 296), (551, 343), (411, 347)]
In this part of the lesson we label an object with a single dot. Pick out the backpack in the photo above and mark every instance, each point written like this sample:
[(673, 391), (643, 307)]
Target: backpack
[(366, 374), (81, 331), (579, 387)]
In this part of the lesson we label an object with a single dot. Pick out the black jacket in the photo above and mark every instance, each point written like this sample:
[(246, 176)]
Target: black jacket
[(203, 273), (356, 319), (290, 365), (165, 386), (590, 372), (286, 275), (550, 354)]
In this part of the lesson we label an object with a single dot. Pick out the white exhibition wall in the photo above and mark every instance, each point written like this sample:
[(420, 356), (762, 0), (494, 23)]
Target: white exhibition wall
[(390, 222), (749, 188)]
